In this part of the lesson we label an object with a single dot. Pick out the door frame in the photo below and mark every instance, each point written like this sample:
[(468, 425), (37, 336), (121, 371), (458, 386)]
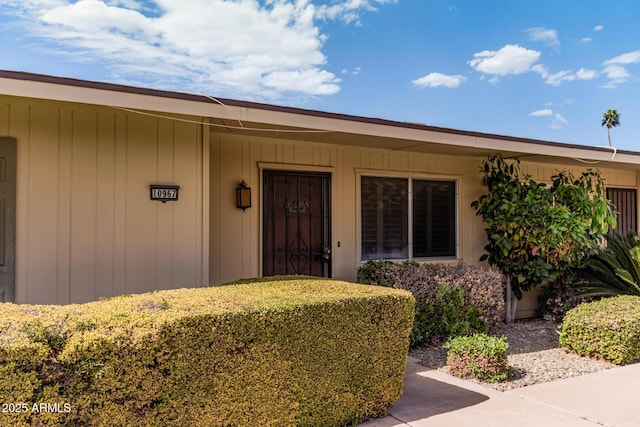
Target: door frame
[(302, 169), (9, 229)]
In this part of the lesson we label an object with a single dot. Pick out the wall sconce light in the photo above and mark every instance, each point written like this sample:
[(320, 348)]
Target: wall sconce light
[(243, 196)]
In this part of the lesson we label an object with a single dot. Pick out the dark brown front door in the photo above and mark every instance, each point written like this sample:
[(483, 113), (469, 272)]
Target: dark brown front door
[(297, 224)]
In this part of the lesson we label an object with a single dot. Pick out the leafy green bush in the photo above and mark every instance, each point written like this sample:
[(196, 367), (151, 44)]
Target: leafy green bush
[(536, 232), (289, 352), (607, 329), (482, 303), (444, 314), (614, 270), (478, 356), (367, 273)]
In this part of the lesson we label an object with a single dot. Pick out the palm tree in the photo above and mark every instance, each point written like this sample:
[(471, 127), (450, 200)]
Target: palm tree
[(610, 119)]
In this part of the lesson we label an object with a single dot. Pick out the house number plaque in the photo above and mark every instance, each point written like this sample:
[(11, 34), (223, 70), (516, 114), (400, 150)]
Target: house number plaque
[(164, 193)]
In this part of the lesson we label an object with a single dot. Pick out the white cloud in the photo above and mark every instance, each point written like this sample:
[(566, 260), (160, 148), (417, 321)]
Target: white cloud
[(548, 37), (510, 59), (349, 11), (586, 39), (513, 59), (312, 81), (625, 58), (555, 79), (228, 47), (558, 122), (542, 113), (94, 15), (614, 70), (354, 72), (598, 28), (439, 80), (568, 101), (584, 74), (616, 75)]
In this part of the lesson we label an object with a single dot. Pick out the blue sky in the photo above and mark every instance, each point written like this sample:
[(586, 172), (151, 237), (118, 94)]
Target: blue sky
[(543, 69)]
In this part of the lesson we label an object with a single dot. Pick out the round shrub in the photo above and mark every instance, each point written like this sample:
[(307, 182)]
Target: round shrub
[(607, 329), (478, 356)]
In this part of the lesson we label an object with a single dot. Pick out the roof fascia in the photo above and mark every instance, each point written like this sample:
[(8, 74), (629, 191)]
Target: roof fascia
[(125, 97)]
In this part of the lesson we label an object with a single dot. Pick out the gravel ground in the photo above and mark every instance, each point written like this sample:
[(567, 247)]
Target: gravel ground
[(534, 356)]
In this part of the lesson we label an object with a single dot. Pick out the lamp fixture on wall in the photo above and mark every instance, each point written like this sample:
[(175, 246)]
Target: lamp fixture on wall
[(243, 196)]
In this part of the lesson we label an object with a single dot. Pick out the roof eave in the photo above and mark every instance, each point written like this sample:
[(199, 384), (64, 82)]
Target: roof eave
[(167, 102)]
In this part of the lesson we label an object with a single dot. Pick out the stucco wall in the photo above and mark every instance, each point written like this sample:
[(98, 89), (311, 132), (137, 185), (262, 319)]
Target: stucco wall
[(85, 225)]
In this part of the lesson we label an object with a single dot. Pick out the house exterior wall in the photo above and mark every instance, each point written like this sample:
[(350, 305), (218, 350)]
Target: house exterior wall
[(235, 243), (236, 235), (86, 227)]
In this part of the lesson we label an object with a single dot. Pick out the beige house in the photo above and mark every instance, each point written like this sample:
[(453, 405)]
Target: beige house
[(81, 219)]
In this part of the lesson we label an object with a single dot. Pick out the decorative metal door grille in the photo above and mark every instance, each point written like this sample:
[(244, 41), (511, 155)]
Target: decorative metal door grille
[(297, 223)]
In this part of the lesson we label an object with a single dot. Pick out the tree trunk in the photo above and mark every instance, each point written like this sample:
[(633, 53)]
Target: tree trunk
[(514, 307), (511, 303), (507, 297)]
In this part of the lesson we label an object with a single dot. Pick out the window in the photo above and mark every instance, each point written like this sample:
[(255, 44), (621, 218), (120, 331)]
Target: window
[(384, 217), (404, 218), (625, 203), (434, 208)]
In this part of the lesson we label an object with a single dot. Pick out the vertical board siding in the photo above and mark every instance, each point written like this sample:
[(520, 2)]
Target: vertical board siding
[(141, 231), (120, 207), (187, 222), (105, 200), (165, 217), (84, 243), (235, 236), (235, 249), (63, 205), (86, 227), (19, 128), (42, 189)]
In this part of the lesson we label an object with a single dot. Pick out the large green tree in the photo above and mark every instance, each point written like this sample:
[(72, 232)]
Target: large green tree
[(536, 232), (610, 119)]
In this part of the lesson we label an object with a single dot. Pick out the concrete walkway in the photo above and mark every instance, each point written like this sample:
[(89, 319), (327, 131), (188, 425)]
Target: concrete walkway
[(432, 398)]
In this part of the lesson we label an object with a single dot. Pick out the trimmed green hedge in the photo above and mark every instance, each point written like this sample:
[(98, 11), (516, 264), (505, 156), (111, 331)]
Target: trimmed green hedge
[(289, 352), (478, 356), (607, 329)]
